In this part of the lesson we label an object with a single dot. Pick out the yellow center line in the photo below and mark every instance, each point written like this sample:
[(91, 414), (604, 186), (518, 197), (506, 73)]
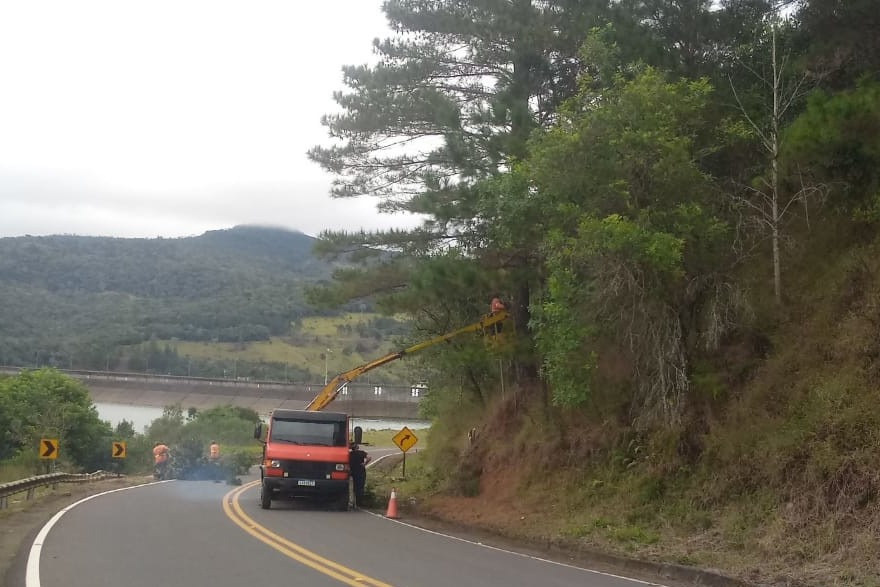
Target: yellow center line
[(234, 512)]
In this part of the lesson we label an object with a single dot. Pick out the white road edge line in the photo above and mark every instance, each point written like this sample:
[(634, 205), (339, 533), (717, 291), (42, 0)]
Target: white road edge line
[(515, 553), (32, 574)]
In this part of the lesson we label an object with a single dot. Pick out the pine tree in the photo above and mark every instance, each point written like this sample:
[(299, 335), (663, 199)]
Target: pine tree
[(450, 105)]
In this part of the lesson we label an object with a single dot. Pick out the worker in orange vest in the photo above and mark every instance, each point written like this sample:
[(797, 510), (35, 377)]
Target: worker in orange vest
[(214, 460), (160, 461)]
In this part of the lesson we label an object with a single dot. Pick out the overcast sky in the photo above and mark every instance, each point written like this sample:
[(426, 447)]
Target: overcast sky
[(170, 118)]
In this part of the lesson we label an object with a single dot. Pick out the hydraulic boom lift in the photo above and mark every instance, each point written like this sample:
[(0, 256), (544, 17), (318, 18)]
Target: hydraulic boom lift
[(306, 452), (489, 323)]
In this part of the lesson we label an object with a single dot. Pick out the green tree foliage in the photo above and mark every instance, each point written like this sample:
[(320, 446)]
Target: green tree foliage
[(87, 304), (46, 404), (190, 436), (10, 435), (635, 240), (125, 429), (168, 428), (71, 301), (462, 75), (836, 143), (839, 40), (230, 425), (450, 105), (689, 38)]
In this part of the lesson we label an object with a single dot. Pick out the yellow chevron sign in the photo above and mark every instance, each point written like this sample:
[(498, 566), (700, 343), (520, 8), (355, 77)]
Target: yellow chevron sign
[(48, 448), (118, 450)]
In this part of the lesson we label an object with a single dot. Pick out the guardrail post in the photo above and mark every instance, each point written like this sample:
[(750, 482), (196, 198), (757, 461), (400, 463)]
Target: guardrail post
[(30, 493), (4, 503)]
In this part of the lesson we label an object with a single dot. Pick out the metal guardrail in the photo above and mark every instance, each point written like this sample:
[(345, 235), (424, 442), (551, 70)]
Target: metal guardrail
[(30, 484)]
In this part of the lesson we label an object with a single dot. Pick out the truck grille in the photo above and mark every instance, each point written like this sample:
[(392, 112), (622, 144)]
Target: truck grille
[(307, 469)]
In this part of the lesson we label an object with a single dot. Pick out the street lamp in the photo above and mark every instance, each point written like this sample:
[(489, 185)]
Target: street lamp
[(327, 354)]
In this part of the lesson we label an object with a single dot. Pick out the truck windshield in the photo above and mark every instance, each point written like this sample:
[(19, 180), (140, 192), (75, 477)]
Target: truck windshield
[(311, 433)]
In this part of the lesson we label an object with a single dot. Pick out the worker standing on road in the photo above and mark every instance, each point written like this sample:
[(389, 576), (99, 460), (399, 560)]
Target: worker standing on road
[(357, 462), (214, 461), (160, 461)]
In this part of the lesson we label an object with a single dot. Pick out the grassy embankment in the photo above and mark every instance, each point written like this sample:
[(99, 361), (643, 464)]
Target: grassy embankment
[(772, 476)]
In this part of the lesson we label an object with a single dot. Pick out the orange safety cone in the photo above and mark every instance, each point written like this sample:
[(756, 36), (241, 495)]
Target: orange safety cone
[(392, 505)]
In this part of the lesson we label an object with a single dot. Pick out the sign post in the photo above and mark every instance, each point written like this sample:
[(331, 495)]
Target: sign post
[(118, 451), (405, 440), (49, 452)]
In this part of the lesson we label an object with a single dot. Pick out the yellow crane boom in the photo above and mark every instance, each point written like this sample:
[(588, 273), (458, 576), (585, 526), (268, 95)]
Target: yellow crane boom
[(333, 387)]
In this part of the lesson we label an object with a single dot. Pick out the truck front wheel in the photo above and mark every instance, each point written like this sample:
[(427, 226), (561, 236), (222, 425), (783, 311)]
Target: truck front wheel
[(265, 496)]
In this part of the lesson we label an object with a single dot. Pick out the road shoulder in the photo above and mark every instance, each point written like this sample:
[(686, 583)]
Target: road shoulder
[(20, 523)]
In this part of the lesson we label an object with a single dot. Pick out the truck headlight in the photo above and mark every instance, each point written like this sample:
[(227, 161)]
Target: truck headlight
[(341, 467), (275, 464)]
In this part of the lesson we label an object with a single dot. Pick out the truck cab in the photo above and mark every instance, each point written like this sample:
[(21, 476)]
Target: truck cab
[(305, 454)]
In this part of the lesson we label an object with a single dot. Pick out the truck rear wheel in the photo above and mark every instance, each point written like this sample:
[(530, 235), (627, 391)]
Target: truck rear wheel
[(265, 496)]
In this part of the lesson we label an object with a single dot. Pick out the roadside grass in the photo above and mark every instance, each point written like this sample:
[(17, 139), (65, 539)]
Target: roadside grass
[(383, 438), (389, 474), (27, 464), (19, 502), (11, 471), (328, 326)]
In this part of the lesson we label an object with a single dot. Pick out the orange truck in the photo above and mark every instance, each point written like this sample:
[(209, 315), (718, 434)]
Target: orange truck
[(305, 454)]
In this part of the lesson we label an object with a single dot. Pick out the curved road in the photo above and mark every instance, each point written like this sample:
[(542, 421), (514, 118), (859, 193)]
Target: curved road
[(202, 534)]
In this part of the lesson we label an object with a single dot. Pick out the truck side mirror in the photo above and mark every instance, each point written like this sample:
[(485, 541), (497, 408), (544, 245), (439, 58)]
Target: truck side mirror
[(358, 434), (258, 431)]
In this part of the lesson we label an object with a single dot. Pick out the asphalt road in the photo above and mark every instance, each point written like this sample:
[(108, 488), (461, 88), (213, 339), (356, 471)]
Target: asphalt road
[(202, 534)]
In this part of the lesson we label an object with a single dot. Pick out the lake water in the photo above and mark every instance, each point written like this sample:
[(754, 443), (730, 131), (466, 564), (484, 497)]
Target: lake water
[(142, 416)]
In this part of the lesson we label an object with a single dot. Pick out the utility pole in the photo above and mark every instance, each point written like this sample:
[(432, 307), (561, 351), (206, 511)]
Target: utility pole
[(326, 354)]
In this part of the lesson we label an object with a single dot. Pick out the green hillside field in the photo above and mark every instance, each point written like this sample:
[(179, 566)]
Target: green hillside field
[(335, 336)]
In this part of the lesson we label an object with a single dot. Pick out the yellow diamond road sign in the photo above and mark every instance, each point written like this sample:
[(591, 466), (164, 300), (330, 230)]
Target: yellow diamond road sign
[(48, 448), (118, 450), (405, 439)]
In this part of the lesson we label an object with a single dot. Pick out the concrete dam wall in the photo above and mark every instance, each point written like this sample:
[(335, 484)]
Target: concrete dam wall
[(358, 399)]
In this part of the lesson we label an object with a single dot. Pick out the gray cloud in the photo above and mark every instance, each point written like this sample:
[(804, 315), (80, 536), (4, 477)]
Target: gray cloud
[(44, 205)]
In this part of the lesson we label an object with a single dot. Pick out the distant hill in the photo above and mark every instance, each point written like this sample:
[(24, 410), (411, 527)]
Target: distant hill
[(180, 267), (78, 300)]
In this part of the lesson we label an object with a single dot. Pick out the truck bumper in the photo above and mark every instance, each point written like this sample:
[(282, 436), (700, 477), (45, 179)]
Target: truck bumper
[(290, 487)]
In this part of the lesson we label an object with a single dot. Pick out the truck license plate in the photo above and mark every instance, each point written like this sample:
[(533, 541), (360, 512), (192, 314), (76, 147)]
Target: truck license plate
[(306, 482)]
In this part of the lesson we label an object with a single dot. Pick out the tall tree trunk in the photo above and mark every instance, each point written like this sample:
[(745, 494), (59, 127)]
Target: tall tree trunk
[(521, 125), (769, 210), (774, 176)]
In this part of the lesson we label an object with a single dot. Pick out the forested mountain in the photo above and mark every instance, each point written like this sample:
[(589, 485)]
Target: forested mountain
[(73, 300)]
